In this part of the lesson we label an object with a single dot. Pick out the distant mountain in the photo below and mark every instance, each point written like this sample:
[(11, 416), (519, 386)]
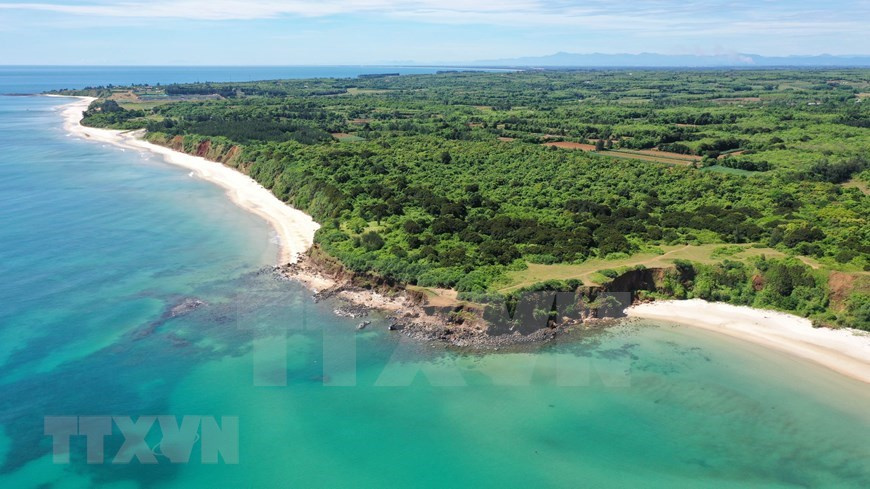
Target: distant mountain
[(666, 60)]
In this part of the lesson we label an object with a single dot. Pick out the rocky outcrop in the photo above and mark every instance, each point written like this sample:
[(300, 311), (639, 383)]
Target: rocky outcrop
[(634, 281), (179, 307), (530, 317)]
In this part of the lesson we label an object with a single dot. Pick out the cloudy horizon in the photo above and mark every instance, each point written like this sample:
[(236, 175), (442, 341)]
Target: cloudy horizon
[(200, 32)]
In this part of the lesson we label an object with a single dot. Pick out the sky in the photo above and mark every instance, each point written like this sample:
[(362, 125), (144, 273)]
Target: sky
[(330, 32)]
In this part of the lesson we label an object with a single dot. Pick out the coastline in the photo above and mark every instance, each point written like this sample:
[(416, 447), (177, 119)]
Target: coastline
[(295, 231), (844, 351), (294, 228)]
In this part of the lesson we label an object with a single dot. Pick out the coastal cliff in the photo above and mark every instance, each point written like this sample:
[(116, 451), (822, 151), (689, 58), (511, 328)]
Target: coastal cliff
[(212, 149), (404, 249), (526, 317)]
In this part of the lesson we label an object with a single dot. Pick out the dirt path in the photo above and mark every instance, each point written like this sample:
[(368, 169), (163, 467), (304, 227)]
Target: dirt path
[(809, 262), (585, 276)]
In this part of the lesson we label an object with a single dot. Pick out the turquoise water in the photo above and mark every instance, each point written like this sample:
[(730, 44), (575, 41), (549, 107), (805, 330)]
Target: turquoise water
[(98, 245)]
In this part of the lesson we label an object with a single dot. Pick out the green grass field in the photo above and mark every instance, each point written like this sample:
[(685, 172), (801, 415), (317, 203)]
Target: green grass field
[(588, 271), (731, 171)]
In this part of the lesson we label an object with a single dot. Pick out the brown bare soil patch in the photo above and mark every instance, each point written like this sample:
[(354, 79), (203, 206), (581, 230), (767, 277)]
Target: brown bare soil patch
[(505, 139), (177, 143), (841, 285), (758, 283), (203, 148), (666, 154), (442, 297), (654, 155), (233, 153), (360, 121), (646, 157), (340, 135), (570, 145)]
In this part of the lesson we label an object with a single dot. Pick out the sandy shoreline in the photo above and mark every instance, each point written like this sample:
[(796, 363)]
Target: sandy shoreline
[(295, 229), (844, 351)]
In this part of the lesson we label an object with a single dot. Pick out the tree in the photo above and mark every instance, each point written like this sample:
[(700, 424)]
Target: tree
[(499, 252), (412, 227), (372, 241), (611, 241)]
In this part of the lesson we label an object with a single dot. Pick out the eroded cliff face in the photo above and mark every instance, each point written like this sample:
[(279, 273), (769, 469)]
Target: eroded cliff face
[(588, 302), (217, 151), (647, 280), (525, 318), (633, 281), (330, 266)]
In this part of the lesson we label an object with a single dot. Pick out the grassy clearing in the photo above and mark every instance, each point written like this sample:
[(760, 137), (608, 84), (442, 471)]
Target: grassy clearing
[(363, 91), (347, 138), (588, 271), (643, 155), (437, 297), (730, 171), (629, 155), (140, 105), (860, 185), (570, 145), (737, 100), (659, 154)]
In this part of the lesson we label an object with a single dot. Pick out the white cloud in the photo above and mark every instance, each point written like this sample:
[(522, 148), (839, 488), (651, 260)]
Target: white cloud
[(247, 10), (666, 18)]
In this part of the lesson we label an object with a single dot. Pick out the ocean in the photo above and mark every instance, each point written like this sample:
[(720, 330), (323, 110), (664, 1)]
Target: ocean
[(131, 290)]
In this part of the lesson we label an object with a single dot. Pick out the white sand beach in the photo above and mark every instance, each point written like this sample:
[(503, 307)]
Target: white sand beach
[(295, 229), (845, 351)]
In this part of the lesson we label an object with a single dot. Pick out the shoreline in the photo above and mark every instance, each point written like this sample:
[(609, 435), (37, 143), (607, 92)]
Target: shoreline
[(844, 351), (294, 228), (295, 231)]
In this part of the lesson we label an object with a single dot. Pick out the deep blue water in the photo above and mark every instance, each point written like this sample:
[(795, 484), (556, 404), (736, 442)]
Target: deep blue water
[(99, 245)]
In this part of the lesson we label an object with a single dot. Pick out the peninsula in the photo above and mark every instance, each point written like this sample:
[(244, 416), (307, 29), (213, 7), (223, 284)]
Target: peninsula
[(457, 190)]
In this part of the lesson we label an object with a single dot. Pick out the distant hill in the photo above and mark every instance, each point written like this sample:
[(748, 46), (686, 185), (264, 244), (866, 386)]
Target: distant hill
[(665, 60)]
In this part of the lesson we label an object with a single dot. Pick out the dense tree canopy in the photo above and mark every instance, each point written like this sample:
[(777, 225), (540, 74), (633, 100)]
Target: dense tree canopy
[(450, 180)]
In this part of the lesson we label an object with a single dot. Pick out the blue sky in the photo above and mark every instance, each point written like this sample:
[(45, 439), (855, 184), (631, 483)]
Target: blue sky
[(281, 32)]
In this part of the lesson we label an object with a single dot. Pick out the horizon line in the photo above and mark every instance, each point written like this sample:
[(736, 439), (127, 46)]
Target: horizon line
[(432, 65)]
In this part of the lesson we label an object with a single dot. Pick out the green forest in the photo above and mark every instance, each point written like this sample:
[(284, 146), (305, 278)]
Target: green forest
[(472, 180)]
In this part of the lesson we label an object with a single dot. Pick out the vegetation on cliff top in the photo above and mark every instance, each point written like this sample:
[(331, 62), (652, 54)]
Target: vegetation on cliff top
[(451, 180)]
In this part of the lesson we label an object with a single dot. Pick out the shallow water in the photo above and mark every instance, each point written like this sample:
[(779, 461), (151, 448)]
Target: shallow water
[(97, 246)]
